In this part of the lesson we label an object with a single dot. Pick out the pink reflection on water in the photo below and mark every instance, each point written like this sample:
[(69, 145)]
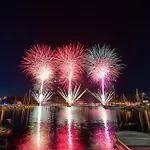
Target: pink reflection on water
[(68, 131), (69, 117), (68, 138), (30, 142), (38, 127), (39, 137), (103, 135)]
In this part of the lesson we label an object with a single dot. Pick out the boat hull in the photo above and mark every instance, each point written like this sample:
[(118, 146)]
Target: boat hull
[(133, 138)]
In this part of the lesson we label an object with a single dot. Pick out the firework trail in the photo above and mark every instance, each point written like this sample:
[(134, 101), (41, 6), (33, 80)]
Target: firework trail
[(103, 66), (38, 63), (70, 62)]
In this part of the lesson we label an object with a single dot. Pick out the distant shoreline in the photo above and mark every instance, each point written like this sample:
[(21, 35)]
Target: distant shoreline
[(10, 107)]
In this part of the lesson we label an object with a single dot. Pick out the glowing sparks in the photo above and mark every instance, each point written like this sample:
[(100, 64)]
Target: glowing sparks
[(103, 66), (38, 63), (44, 73), (103, 63), (40, 98), (73, 96), (70, 62), (103, 98)]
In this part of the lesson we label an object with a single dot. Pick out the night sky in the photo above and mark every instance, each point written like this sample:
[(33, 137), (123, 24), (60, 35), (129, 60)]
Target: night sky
[(125, 26)]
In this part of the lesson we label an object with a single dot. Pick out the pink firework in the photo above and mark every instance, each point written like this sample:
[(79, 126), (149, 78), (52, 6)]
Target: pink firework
[(70, 62), (103, 63), (100, 70), (38, 63), (103, 66)]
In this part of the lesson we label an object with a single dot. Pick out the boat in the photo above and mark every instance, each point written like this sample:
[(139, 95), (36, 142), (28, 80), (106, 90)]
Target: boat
[(113, 107), (131, 140)]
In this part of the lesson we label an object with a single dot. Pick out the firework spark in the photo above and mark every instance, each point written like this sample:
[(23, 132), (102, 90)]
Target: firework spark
[(103, 98), (74, 95), (38, 63), (70, 62), (40, 98), (103, 66)]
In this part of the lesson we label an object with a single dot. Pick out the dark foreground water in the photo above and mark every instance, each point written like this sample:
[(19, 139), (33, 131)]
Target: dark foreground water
[(71, 128)]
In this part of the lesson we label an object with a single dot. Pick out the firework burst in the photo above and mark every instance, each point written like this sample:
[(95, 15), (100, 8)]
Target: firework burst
[(103, 62), (38, 63), (70, 62), (103, 66)]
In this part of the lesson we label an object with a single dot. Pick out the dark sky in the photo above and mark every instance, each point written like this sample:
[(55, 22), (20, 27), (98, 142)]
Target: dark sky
[(123, 25)]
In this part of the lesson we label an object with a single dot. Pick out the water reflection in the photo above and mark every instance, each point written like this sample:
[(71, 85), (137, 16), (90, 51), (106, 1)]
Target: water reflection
[(69, 117), (38, 126), (147, 114), (38, 135), (105, 130), (68, 130), (137, 120), (141, 120), (71, 128)]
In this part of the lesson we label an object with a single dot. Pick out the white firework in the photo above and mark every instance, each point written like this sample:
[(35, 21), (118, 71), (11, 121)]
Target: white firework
[(74, 95), (103, 98), (40, 98)]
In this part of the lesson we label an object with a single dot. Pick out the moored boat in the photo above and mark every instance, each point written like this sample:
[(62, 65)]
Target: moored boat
[(132, 140), (113, 107)]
